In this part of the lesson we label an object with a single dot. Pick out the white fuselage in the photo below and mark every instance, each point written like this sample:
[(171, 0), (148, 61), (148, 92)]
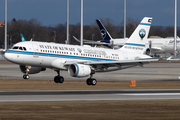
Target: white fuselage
[(158, 45), (51, 55)]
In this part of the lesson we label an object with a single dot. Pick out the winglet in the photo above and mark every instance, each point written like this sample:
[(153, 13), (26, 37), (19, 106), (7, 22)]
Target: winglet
[(22, 37)]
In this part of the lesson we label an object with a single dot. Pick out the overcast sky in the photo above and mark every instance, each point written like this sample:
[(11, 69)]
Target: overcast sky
[(52, 12)]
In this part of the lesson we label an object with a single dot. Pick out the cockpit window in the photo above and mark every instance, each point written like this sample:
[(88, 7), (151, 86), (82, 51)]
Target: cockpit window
[(15, 47), (19, 48), (24, 48)]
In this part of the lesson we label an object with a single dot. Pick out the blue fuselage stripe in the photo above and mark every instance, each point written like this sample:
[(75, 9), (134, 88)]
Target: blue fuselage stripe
[(145, 24), (140, 45), (57, 55)]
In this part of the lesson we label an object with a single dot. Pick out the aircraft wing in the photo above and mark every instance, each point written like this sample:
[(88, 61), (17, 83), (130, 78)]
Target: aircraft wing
[(79, 40), (112, 65), (91, 42), (156, 49)]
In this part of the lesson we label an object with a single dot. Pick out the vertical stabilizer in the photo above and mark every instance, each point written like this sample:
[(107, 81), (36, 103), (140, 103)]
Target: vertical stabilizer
[(22, 37), (138, 39), (104, 33)]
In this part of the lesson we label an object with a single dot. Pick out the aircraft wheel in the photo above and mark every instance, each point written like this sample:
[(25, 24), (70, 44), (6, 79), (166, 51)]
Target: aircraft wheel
[(56, 80), (26, 76), (93, 81), (61, 79), (88, 81)]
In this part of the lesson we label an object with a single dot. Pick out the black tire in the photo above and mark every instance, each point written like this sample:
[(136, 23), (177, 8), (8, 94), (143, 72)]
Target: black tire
[(88, 81), (27, 77), (93, 82), (61, 79), (56, 79), (24, 76)]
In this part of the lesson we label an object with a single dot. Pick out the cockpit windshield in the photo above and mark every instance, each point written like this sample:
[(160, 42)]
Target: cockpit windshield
[(15, 47), (19, 48)]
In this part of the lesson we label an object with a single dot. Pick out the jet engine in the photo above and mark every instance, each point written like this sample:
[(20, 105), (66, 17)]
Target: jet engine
[(79, 70), (31, 69), (148, 51)]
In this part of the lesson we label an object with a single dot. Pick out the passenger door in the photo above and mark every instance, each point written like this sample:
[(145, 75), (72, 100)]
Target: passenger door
[(35, 51)]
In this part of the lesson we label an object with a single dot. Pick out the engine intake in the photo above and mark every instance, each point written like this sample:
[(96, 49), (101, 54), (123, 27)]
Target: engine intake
[(148, 51), (79, 70)]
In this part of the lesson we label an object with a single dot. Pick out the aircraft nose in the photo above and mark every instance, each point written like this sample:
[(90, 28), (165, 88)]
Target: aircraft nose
[(7, 56)]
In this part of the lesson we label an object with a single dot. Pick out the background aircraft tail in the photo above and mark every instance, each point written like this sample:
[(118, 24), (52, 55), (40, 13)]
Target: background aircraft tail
[(22, 37), (138, 39), (104, 33)]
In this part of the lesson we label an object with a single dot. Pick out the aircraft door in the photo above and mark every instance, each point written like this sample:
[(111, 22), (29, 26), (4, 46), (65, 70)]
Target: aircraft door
[(36, 51)]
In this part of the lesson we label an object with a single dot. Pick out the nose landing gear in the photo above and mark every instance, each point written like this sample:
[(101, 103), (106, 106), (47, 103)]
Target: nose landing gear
[(26, 76)]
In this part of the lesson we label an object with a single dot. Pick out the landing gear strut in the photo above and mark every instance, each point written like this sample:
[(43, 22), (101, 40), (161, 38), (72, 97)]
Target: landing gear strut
[(26, 76), (91, 81), (58, 78)]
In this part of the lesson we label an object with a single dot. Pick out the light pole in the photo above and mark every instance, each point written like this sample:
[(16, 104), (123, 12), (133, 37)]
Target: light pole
[(81, 22), (92, 38), (124, 18), (5, 25), (33, 37), (67, 37), (175, 31)]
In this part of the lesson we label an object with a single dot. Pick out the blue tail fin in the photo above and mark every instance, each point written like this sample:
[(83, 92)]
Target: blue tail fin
[(105, 34), (22, 37)]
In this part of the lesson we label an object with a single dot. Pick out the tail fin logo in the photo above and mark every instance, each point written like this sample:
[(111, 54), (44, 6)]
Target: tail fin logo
[(150, 20), (103, 33), (142, 33)]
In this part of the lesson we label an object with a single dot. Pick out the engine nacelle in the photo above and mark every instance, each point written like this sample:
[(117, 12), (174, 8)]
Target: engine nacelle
[(148, 51), (32, 69), (79, 70)]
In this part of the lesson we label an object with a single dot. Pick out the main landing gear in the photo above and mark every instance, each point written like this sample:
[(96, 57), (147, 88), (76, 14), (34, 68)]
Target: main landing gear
[(58, 78), (91, 81)]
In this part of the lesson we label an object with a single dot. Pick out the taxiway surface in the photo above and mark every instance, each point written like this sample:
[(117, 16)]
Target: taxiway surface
[(152, 71), (89, 95)]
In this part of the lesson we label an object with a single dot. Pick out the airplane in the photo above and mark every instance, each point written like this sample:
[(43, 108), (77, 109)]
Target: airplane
[(34, 57), (155, 46)]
